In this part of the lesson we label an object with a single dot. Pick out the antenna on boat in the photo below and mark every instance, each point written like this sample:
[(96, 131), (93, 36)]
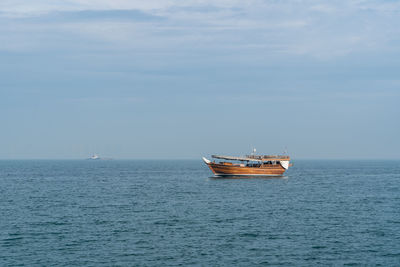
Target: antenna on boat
[(285, 151), (254, 151)]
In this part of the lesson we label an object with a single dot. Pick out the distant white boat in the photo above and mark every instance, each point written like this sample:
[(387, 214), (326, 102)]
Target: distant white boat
[(94, 157)]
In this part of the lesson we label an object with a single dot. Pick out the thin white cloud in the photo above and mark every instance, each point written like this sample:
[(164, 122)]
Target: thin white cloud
[(312, 27), (42, 6)]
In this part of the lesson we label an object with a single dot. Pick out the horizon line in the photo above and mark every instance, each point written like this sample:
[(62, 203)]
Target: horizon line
[(112, 159)]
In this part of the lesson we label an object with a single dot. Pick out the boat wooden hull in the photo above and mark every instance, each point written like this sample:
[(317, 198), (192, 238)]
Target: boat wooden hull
[(234, 170)]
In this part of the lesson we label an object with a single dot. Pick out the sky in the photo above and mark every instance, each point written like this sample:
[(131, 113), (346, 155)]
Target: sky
[(183, 79)]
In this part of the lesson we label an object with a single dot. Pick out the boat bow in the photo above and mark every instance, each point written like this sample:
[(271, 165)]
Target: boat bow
[(206, 160)]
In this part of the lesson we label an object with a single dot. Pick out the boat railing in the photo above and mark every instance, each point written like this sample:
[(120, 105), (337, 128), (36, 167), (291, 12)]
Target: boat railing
[(267, 157)]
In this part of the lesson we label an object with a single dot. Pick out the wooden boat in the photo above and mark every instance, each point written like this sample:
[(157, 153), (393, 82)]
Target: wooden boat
[(250, 165)]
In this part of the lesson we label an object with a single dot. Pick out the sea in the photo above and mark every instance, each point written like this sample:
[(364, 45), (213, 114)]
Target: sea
[(174, 213)]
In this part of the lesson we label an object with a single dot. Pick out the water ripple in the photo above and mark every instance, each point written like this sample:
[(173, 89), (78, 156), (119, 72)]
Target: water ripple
[(171, 213)]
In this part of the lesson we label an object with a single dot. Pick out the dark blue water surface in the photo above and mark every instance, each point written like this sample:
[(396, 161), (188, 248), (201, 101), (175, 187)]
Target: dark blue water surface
[(160, 213)]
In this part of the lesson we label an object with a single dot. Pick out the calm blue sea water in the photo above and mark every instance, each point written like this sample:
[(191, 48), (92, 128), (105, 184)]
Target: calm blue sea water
[(161, 213)]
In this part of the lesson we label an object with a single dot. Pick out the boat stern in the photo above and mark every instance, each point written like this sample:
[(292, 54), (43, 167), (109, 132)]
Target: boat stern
[(285, 164)]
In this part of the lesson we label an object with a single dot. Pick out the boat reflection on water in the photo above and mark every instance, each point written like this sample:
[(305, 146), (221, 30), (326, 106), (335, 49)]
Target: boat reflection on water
[(239, 177)]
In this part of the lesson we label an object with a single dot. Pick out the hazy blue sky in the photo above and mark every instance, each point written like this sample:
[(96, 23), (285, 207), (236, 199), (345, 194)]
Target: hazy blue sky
[(182, 79)]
